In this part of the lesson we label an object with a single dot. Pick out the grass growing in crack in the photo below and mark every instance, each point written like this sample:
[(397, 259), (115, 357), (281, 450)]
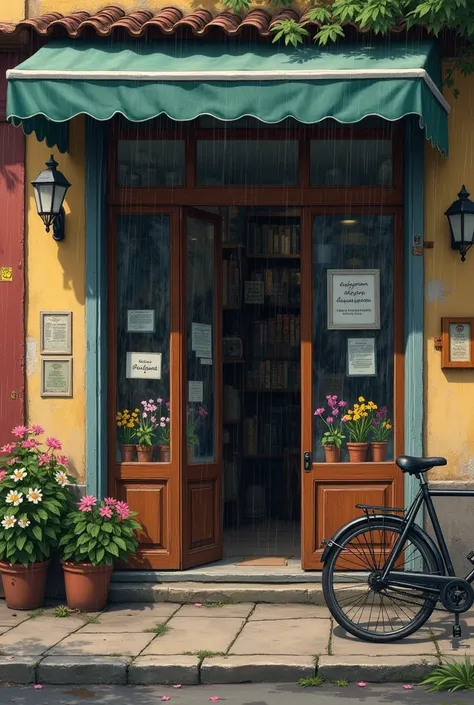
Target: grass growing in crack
[(220, 603), (159, 629), (90, 618), (115, 653), (62, 611), (311, 682), (341, 683), (451, 676), (35, 613), (202, 654)]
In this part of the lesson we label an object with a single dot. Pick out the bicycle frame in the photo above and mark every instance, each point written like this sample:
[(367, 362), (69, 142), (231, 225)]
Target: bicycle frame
[(429, 582)]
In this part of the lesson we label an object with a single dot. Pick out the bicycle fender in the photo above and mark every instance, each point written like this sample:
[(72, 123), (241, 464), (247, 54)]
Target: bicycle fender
[(362, 521)]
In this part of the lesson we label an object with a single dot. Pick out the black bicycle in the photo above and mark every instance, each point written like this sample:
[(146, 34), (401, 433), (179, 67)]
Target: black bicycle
[(398, 573)]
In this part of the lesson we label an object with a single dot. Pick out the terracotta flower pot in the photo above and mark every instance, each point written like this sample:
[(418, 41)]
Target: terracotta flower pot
[(127, 451), (164, 454), (379, 451), (145, 454), (357, 452), (332, 453), (24, 585), (87, 586)]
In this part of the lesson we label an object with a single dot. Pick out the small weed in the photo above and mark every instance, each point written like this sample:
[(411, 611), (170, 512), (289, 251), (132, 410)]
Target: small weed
[(202, 654), (220, 603), (341, 683), (35, 613), (62, 611), (115, 653), (159, 629), (451, 677), (2, 653), (311, 682), (90, 618)]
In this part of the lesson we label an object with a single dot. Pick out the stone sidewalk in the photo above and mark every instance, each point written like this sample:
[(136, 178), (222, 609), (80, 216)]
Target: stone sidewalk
[(166, 643)]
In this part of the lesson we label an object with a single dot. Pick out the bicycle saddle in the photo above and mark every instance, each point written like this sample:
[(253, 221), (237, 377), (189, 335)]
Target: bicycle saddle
[(407, 463)]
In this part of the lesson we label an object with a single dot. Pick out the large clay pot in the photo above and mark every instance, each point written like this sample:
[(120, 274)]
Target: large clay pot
[(379, 451), (164, 454), (127, 452), (145, 454), (332, 453), (87, 586), (24, 585), (357, 452)]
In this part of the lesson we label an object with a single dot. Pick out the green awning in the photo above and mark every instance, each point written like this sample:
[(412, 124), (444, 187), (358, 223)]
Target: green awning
[(228, 80)]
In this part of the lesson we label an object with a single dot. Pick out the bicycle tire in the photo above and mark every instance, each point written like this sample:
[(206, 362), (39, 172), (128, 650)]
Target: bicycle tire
[(428, 602)]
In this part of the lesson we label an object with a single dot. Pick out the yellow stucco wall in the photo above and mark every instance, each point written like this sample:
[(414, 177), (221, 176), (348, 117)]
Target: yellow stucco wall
[(55, 281), (449, 394), (12, 10)]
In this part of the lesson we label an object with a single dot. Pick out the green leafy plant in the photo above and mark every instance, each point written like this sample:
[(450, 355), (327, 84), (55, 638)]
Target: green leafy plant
[(381, 426), (358, 420), (451, 676), (99, 533), (147, 424), (331, 418), (34, 496), (62, 611), (196, 415), (164, 423), (311, 682), (341, 683), (126, 423), (159, 629)]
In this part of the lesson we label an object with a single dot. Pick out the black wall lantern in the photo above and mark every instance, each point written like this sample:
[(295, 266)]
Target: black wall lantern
[(50, 188), (461, 223)]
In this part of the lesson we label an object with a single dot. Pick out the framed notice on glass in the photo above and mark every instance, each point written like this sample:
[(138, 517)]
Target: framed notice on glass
[(353, 299), (457, 345), (361, 360), (56, 377), (56, 332)]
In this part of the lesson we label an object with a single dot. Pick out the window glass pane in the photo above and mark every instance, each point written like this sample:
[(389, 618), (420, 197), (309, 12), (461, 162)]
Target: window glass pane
[(150, 163), (247, 162), (351, 163), (353, 363), (200, 358), (143, 326)]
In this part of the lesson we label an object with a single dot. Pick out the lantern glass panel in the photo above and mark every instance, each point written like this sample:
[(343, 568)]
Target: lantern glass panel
[(468, 227), (46, 193), (59, 193)]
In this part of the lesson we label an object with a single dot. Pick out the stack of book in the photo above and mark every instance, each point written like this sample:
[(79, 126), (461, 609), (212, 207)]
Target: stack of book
[(231, 281), (281, 285), (264, 239), (282, 328), (273, 374)]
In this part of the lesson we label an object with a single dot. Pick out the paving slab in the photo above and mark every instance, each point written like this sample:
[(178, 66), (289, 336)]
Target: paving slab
[(236, 592), (191, 634), (131, 618), (83, 670), (441, 625), (21, 669), (288, 611), (343, 644), (216, 609), (35, 636), (394, 669), (299, 637), (85, 644), (257, 669), (158, 670), (138, 592), (11, 618)]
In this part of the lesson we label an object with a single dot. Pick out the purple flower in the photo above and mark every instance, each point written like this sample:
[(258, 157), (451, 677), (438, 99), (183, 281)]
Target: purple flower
[(329, 419), (319, 411), (328, 396), (342, 403), (335, 411)]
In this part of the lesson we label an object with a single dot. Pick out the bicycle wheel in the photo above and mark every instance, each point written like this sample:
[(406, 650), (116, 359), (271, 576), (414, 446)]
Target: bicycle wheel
[(364, 608)]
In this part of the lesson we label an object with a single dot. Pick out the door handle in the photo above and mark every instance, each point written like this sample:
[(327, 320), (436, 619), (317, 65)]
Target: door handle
[(307, 461)]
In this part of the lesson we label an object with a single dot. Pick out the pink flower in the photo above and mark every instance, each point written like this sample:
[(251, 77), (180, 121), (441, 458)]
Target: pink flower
[(62, 460), (38, 687), (106, 512), (165, 698), (8, 447), (110, 501), (361, 684), (12, 461), (342, 403), (329, 419), (198, 604), (177, 685), (2, 474), (20, 431), (328, 396), (153, 419), (122, 510), (87, 503), (168, 404), (162, 425), (159, 400), (319, 411), (30, 443), (44, 459), (335, 412), (54, 443), (213, 698), (407, 686), (144, 415), (37, 430), (167, 419)]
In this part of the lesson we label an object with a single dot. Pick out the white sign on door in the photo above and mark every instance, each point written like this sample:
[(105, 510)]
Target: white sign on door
[(142, 365), (353, 299)]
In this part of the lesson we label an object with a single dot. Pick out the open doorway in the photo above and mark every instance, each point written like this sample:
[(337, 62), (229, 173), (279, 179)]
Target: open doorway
[(261, 385)]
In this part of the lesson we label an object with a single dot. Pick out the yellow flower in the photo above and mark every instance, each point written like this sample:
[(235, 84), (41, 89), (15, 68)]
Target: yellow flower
[(361, 399), (356, 417), (130, 425), (365, 413), (346, 417), (137, 410), (119, 414), (388, 426), (356, 406)]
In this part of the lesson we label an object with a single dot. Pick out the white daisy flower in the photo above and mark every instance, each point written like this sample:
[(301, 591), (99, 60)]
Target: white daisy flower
[(34, 495), (18, 474), (61, 478), (23, 523), (14, 497), (8, 522)]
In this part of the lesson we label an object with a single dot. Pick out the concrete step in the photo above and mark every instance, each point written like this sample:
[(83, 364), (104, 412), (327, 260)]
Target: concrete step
[(219, 574)]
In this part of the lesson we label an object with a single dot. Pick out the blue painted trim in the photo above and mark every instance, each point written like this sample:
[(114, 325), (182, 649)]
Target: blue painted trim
[(96, 309), (414, 299)]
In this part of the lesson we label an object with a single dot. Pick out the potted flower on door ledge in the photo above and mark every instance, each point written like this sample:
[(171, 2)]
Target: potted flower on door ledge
[(98, 535), (332, 438), (380, 431), (126, 423), (33, 501), (145, 432), (358, 422), (163, 428), (196, 415)]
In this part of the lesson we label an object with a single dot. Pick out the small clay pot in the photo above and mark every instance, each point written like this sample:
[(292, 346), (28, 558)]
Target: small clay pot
[(127, 452), (164, 454), (379, 451), (24, 585), (332, 453), (145, 454), (357, 452), (87, 585)]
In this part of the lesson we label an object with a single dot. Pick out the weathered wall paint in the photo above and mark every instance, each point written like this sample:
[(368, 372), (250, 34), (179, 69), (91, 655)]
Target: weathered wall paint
[(449, 394), (38, 7), (55, 281), (12, 10)]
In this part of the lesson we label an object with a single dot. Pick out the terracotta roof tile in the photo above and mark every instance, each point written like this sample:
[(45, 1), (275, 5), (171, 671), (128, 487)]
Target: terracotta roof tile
[(168, 20)]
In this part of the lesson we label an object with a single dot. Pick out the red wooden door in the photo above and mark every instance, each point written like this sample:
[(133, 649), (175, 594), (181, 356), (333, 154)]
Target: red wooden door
[(12, 286)]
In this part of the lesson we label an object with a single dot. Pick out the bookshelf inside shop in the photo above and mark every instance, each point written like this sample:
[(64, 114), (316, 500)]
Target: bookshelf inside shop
[(261, 328)]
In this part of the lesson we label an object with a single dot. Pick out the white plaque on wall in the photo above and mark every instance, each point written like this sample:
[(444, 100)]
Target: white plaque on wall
[(141, 321), (56, 332), (460, 342), (353, 299), (143, 365)]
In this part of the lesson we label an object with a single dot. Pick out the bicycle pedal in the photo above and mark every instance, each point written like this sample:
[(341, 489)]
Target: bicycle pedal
[(457, 631), (470, 557)]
